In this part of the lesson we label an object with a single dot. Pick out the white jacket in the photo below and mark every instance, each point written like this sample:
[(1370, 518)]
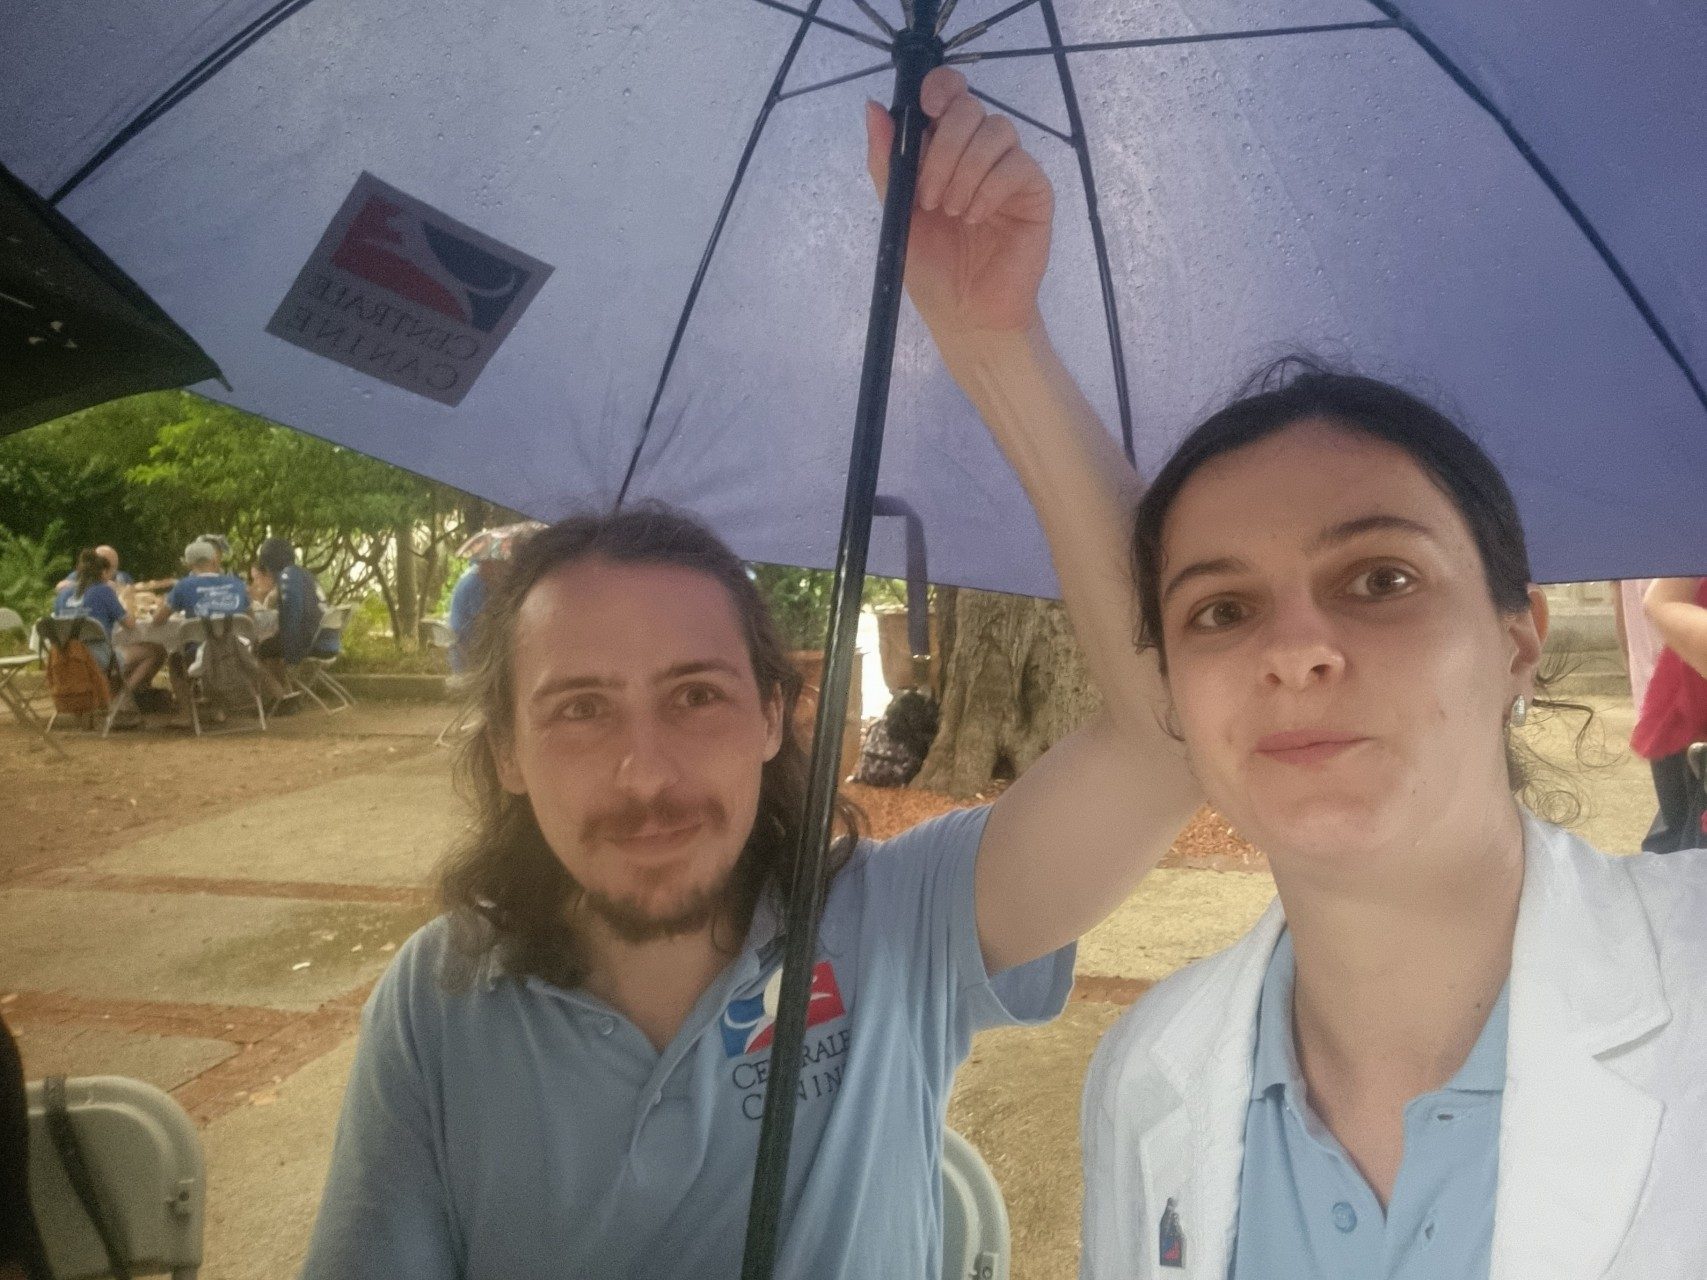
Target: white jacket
[(1603, 1130)]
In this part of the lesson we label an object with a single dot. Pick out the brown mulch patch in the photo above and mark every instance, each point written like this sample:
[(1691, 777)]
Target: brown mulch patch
[(1207, 843)]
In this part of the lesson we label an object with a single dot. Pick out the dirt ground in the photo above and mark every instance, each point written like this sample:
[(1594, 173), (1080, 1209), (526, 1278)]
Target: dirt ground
[(210, 915)]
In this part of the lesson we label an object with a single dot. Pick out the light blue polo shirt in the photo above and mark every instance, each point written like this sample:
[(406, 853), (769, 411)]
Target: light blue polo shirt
[(523, 1131), (1306, 1211)]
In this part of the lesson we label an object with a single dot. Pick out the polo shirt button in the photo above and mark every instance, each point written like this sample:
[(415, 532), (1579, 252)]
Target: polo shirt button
[(1345, 1217), (606, 1026)]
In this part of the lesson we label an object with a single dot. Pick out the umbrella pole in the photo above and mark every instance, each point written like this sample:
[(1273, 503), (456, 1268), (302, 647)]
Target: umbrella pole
[(917, 50)]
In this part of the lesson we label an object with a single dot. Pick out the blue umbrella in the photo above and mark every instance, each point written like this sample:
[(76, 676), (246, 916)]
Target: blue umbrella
[(566, 254)]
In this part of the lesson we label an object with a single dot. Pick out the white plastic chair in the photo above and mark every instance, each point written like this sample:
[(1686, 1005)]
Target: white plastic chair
[(201, 631), (975, 1239), (313, 675), (145, 1160), (14, 698)]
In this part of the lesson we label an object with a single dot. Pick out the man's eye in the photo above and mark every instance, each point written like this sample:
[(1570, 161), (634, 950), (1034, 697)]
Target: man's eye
[(1382, 581), (1217, 615)]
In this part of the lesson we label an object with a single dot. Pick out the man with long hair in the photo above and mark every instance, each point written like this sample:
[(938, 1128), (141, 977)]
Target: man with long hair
[(563, 1075)]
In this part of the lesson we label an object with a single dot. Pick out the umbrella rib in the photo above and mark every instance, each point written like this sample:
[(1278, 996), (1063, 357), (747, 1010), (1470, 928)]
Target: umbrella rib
[(811, 18), (979, 28), (1099, 243), (774, 95), (1157, 42), (877, 18), (825, 84), (1552, 183), (1012, 110), (180, 89)]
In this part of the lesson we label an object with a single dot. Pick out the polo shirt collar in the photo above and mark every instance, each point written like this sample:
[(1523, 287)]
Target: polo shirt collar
[(1276, 1060)]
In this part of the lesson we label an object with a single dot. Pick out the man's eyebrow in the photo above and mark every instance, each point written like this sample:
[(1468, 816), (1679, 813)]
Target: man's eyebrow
[(1346, 530), (1201, 569), (694, 667), (701, 666)]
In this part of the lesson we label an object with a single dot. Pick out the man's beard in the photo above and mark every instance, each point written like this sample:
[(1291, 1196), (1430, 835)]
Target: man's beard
[(627, 915)]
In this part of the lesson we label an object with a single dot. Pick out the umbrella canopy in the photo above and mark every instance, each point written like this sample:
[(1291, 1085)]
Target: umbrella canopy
[(74, 331), (470, 246), (499, 543)]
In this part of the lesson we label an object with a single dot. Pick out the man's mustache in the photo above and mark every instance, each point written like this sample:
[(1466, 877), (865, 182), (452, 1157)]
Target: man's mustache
[(628, 819)]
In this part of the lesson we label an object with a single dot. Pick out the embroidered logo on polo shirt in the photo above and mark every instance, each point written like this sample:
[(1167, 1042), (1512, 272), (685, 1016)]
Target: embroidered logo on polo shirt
[(749, 1025), (1173, 1238)]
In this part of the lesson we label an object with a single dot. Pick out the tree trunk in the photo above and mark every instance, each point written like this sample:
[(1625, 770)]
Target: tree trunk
[(407, 623), (1015, 686)]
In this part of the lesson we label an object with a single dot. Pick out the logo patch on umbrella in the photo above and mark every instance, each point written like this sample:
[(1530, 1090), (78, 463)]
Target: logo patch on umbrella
[(399, 290), (748, 1025)]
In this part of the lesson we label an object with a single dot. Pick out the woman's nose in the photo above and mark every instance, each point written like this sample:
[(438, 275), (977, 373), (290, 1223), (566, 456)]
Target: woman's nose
[(1302, 648)]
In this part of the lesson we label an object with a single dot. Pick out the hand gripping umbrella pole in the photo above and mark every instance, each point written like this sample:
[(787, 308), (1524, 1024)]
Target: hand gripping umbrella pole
[(917, 49)]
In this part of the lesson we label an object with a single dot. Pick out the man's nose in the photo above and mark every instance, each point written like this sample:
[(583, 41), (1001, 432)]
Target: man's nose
[(646, 762), (1302, 647)]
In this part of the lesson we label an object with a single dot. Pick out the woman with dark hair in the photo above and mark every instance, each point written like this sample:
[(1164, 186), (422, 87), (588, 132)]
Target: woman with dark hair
[(1462, 1043), (91, 594)]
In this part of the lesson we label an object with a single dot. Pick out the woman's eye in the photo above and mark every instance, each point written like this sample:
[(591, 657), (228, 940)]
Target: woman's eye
[(1217, 615), (699, 695), (581, 709), (1381, 581)]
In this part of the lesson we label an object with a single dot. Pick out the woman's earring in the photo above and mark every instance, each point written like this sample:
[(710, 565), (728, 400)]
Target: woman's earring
[(1519, 711)]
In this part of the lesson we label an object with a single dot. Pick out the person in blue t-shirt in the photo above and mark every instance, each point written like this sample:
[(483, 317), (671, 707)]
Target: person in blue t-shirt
[(467, 599), (204, 592), (292, 590), (118, 579), (564, 1075), (91, 594)]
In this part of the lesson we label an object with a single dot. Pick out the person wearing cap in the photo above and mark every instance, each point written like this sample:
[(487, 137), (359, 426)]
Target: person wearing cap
[(296, 595), (207, 589), (204, 592)]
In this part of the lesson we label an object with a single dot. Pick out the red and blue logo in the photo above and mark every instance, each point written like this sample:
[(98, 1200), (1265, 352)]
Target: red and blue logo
[(394, 247), (748, 1025)]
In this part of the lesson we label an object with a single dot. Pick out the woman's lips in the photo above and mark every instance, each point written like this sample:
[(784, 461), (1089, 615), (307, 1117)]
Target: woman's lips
[(1306, 746)]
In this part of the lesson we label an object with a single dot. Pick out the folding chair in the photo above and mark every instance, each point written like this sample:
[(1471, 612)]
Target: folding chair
[(975, 1240), (313, 675), (16, 700), (128, 1152), (225, 672)]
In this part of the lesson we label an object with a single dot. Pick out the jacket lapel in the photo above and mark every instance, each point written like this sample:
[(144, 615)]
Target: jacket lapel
[(1576, 1138), (1193, 1150)]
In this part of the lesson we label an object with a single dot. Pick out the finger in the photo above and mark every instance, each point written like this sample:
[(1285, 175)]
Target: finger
[(879, 137), (1017, 171), (994, 138), (939, 88), (954, 129)]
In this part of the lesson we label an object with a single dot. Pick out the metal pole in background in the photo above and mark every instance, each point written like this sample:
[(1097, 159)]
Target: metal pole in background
[(917, 50)]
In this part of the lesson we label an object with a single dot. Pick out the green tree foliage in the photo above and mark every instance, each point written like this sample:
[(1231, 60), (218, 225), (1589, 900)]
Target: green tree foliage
[(149, 473), (27, 566), (799, 600)]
